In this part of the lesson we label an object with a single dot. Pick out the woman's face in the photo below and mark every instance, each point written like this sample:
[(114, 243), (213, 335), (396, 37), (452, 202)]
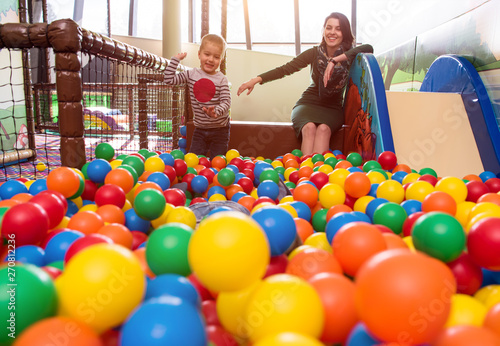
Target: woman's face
[(332, 33)]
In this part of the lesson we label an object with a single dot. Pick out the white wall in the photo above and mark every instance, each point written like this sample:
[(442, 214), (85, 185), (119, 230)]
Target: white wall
[(269, 102)]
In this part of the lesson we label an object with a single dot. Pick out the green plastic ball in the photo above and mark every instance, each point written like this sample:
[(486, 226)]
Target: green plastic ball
[(177, 154), (317, 158), (428, 171), (331, 161), (167, 248), (226, 177), (355, 159), (297, 152), (269, 174), (32, 299), (319, 220), (391, 215), (135, 162), (104, 151), (371, 165), (439, 235), (149, 204)]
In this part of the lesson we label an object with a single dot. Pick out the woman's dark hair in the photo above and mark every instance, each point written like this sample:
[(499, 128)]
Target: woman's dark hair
[(345, 27)]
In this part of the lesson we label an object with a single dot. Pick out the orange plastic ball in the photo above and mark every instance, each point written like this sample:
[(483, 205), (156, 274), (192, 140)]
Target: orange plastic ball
[(111, 213), (118, 233), (121, 178), (394, 241), (247, 201), (306, 193), (147, 185), (64, 180), (489, 197), (402, 167), (86, 222), (219, 162), (232, 189), (305, 171), (337, 295), (140, 254), (343, 164), (313, 261), (492, 319), (304, 228), (467, 336), (354, 243), (357, 184), (439, 201), (58, 330), (404, 296), (341, 208)]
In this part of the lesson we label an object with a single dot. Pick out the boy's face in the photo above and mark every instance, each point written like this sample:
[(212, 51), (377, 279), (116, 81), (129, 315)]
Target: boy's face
[(210, 55)]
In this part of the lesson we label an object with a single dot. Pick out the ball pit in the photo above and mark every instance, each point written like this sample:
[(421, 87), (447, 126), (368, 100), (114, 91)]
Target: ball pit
[(346, 247)]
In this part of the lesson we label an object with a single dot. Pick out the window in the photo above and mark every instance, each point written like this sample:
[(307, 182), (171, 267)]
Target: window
[(149, 19), (95, 16), (119, 16)]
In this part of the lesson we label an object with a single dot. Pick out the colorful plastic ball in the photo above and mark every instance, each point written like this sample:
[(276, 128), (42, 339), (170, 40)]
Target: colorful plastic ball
[(466, 310), (84, 242), (336, 222), (154, 164), (370, 165), (387, 160), (217, 335), (96, 274), (104, 151), (476, 189), (279, 227), (288, 339), (131, 170), (453, 186), (411, 206), (179, 321), (225, 177), (58, 330), (86, 222), (303, 210), (355, 159), (337, 295), (175, 196), (299, 308), (135, 223), (395, 291), (486, 175), (319, 220), (309, 262), (492, 319), (40, 166), (118, 233), (34, 297), (31, 254), (167, 249), (355, 243), (439, 235), (26, 223), (331, 194), (418, 190), (306, 193), (466, 335), (483, 243), (357, 184), (173, 285), (439, 201), (110, 194), (135, 162), (38, 186), (182, 215), (268, 188), (58, 245), (219, 251), (167, 158), (199, 184), (149, 204), (468, 274), (53, 206), (98, 169), (63, 180), (391, 190), (392, 215), (269, 174), (180, 167), (361, 336), (10, 188)]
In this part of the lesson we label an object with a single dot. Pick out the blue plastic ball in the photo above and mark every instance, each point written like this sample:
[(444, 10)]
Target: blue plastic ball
[(160, 178), (279, 226), (399, 176), (38, 186), (98, 169), (165, 320), (486, 175), (135, 223), (11, 188), (167, 158), (182, 142), (411, 206), (173, 285), (336, 222), (31, 254), (183, 130), (373, 205), (199, 184), (359, 336), (268, 188), (56, 247), (216, 190), (303, 210)]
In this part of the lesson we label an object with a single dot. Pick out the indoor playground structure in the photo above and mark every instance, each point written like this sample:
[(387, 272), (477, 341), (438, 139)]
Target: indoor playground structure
[(123, 237)]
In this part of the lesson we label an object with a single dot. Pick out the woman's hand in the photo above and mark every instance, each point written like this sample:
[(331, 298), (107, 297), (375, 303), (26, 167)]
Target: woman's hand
[(328, 72), (249, 85), (181, 56)]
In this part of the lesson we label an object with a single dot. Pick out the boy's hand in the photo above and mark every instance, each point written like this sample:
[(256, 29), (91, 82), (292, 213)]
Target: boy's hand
[(181, 56), (210, 111)]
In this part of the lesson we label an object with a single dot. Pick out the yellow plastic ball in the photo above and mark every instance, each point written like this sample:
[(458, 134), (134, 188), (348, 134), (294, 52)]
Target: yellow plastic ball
[(192, 159), (331, 194), (261, 205), (418, 190), (78, 201), (89, 207), (154, 164), (101, 286), (298, 309), (338, 176), (182, 215), (362, 202), (127, 205), (488, 295), (40, 166), (391, 190), (466, 311), (217, 197), (229, 251), (327, 169), (320, 241), (231, 154), (115, 163), (288, 339), (289, 171), (483, 207), (286, 199), (291, 210), (409, 242), (463, 212), (277, 163), (307, 162), (375, 177), (410, 178), (453, 186), (231, 309), (163, 217), (298, 249)]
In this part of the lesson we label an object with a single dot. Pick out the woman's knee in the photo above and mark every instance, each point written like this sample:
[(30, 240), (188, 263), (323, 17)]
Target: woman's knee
[(309, 129), (324, 130)]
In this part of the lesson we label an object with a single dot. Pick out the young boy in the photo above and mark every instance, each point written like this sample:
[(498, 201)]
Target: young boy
[(210, 96)]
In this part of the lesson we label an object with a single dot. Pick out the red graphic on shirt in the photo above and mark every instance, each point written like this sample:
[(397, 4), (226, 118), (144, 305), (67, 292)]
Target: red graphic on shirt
[(204, 90)]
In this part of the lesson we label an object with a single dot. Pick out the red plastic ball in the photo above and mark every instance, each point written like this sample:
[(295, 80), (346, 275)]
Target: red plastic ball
[(26, 223), (246, 184), (468, 274), (52, 205), (277, 265), (110, 194), (410, 220), (171, 173), (483, 243), (175, 196), (319, 179), (387, 160), (83, 242), (208, 173), (180, 167), (89, 190), (209, 311), (138, 238), (493, 184), (476, 189), (428, 178)]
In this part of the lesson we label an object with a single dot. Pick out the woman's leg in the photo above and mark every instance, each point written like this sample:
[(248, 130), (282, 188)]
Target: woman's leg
[(322, 139), (308, 137)]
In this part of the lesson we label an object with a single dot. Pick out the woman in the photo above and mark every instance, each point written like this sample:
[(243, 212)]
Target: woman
[(318, 112)]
